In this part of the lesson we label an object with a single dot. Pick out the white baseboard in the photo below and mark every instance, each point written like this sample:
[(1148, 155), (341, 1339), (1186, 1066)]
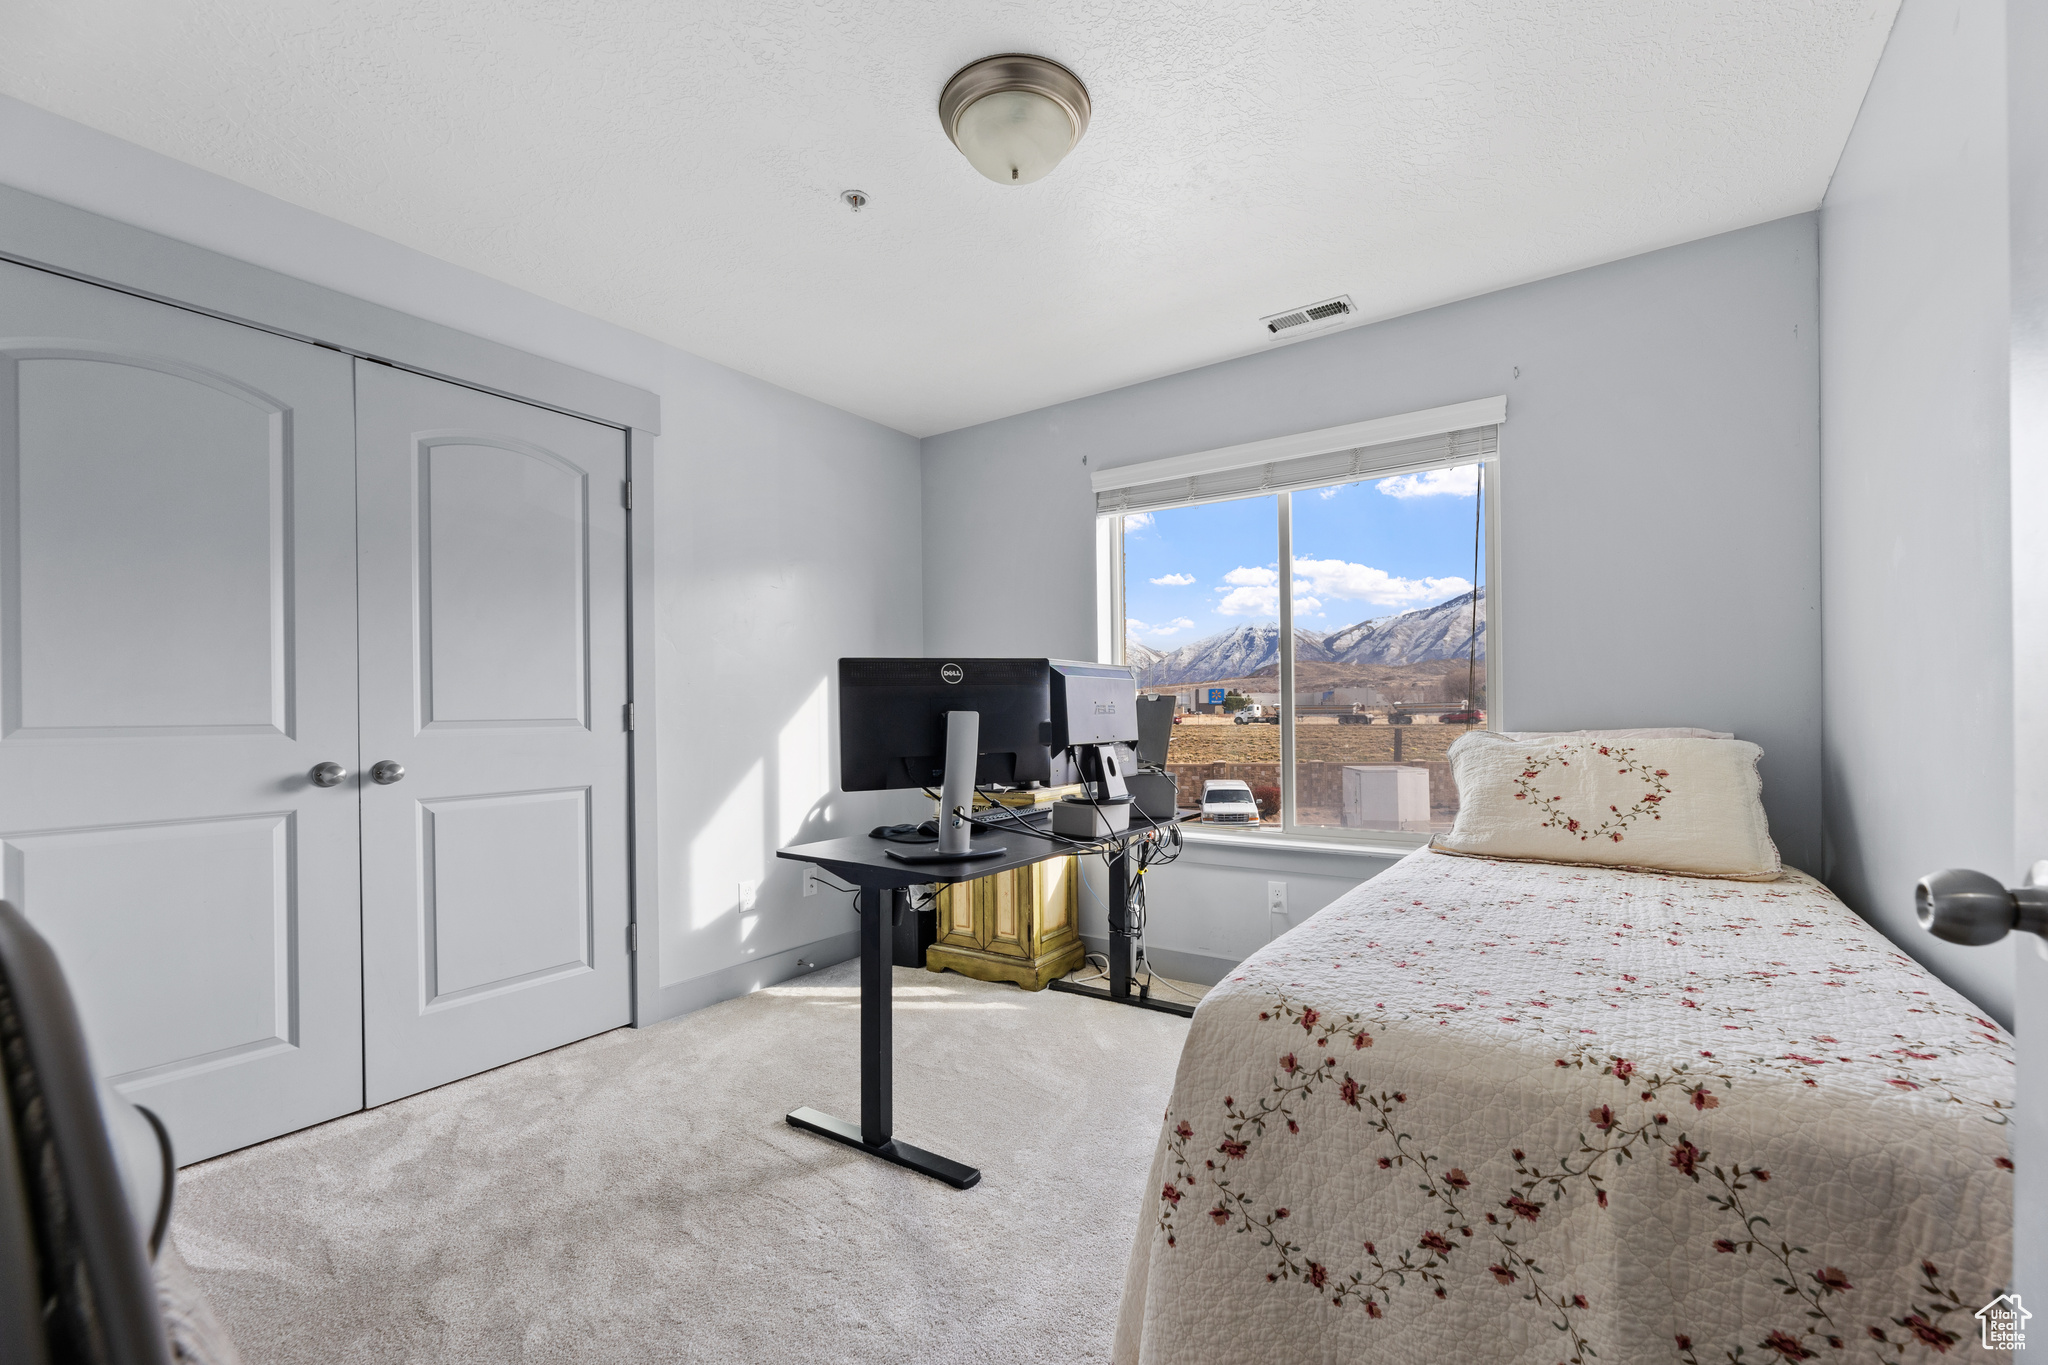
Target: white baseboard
[(744, 978)]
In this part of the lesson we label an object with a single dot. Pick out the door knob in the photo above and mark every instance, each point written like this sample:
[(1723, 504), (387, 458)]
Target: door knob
[(384, 772), (328, 775), (1970, 908)]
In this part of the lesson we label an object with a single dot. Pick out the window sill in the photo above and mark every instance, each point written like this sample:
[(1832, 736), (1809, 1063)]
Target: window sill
[(1256, 844)]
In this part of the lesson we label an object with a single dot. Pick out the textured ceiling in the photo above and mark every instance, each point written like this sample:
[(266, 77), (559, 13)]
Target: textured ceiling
[(676, 167)]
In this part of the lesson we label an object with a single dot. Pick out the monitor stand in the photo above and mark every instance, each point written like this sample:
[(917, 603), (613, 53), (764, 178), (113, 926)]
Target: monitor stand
[(956, 798)]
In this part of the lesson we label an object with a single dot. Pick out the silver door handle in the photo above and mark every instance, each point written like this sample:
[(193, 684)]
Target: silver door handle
[(384, 772), (328, 775), (1972, 909)]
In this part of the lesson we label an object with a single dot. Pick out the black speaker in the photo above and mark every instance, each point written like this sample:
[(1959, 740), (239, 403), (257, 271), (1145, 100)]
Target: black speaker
[(1155, 793), (916, 930)]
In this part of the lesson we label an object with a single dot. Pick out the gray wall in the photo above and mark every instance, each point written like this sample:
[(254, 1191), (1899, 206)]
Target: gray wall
[(1915, 543), (789, 538), (786, 534), (1659, 503)]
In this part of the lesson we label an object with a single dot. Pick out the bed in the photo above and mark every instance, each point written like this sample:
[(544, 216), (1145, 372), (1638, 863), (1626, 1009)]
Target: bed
[(1492, 1111)]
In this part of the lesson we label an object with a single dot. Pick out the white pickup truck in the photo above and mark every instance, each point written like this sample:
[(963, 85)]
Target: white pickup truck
[(1226, 801)]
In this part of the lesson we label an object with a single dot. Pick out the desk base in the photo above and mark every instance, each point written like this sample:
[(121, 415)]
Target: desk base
[(1098, 993), (901, 1153)]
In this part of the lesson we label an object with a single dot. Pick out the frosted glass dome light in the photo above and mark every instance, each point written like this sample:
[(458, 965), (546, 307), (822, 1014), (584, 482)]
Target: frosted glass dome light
[(1014, 117), (1014, 136)]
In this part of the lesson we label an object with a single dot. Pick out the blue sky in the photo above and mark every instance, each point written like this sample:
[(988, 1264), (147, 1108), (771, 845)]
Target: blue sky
[(1361, 550)]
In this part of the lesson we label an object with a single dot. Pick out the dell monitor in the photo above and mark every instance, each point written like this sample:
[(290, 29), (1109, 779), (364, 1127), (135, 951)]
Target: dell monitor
[(892, 720), (951, 723)]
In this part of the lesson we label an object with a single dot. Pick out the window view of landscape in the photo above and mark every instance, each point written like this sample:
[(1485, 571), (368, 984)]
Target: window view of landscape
[(1389, 649)]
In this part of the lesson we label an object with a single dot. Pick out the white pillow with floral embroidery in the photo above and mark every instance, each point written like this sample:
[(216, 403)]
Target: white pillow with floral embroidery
[(1693, 806)]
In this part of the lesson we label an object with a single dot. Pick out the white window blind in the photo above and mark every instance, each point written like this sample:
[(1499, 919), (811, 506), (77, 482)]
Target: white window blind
[(1463, 446)]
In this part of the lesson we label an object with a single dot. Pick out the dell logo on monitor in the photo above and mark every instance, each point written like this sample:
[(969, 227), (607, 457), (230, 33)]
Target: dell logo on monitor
[(951, 673)]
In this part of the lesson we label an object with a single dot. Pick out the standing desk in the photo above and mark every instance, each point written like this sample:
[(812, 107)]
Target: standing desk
[(866, 864)]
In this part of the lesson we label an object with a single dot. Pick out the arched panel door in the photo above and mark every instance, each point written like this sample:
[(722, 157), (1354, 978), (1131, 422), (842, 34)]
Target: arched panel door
[(493, 640), (177, 653)]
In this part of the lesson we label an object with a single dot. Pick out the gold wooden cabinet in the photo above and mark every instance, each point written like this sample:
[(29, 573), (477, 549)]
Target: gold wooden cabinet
[(1022, 925)]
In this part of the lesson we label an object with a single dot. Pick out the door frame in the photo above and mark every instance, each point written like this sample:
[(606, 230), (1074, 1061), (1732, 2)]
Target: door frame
[(46, 235), (2026, 37)]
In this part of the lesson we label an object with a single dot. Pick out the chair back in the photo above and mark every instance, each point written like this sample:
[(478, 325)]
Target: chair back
[(93, 1284)]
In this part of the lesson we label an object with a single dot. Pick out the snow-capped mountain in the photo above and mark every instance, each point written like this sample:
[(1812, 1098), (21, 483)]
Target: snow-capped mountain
[(1413, 637), (1233, 654), (1420, 636)]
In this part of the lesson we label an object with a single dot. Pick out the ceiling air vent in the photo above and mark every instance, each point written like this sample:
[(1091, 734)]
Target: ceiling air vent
[(1315, 314)]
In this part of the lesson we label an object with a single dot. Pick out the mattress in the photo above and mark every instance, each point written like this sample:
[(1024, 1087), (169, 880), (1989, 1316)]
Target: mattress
[(1486, 1111)]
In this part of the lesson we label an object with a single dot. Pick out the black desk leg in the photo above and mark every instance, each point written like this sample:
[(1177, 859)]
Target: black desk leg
[(879, 909), (878, 912), (1120, 947)]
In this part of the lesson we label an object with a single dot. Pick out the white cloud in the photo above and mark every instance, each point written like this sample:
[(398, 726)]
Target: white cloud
[(1132, 626), (1362, 583), (1251, 600), (1327, 493), (1461, 482), (1173, 580), (1137, 521), (1250, 591)]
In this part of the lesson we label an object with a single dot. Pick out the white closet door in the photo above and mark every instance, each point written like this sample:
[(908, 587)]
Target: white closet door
[(493, 581), (177, 651)]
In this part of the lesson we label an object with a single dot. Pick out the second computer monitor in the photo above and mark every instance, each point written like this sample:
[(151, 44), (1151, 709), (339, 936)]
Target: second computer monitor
[(1092, 704)]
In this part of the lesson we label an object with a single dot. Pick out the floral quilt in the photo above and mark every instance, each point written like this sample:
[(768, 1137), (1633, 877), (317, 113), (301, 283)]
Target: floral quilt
[(1484, 1111)]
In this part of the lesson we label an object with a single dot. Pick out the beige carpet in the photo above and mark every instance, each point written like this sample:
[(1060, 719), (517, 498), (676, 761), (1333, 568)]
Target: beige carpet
[(637, 1197)]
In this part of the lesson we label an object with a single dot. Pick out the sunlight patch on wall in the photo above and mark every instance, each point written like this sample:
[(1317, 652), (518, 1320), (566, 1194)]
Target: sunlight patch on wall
[(727, 851), (803, 763)]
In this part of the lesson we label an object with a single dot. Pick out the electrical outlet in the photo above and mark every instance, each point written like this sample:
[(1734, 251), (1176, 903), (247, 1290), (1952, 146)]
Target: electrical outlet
[(749, 893), (810, 879), (1277, 922)]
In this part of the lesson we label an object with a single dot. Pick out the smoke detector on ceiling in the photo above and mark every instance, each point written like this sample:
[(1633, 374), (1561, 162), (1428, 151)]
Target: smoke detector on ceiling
[(1310, 317)]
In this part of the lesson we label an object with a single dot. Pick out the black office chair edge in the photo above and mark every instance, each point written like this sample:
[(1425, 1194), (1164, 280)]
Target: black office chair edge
[(105, 1301), (161, 1224), (21, 1277)]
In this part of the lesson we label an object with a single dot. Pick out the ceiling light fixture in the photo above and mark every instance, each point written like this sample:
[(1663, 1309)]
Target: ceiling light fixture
[(1014, 116)]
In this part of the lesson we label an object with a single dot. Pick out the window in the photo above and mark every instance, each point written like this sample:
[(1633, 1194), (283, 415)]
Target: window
[(1334, 691)]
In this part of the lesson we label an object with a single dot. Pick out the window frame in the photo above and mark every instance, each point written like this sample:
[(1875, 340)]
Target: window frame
[(1112, 615)]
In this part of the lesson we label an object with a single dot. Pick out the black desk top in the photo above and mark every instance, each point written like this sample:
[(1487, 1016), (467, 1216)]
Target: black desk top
[(866, 862)]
